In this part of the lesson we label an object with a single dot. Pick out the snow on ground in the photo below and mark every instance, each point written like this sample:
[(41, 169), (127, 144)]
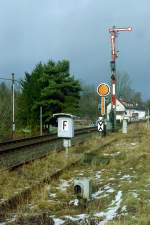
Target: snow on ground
[(112, 154), (74, 202), (124, 210), (111, 179), (97, 194), (52, 195), (102, 192), (133, 144), (111, 212), (81, 174), (127, 178), (108, 189), (135, 195), (108, 215), (98, 175), (64, 184), (77, 217), (58, 221)]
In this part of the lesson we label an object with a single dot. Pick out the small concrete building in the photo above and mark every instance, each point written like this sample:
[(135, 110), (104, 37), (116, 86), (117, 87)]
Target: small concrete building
[(133, 113)]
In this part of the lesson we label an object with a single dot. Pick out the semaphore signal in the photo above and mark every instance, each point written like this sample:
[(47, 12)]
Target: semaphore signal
[(113, 31)]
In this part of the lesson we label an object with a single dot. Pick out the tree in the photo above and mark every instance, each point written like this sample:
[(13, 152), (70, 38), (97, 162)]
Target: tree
[(5, 111), (123, 86), (124, 90), (89, 102), (51, 86), (147, 105)]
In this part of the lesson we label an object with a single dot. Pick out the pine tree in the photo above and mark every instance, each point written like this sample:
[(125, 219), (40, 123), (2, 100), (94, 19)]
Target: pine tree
[(52, 87)]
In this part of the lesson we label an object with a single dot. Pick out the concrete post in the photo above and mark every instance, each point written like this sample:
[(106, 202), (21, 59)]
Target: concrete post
[(67, 145), (13, 106), (125, 126)]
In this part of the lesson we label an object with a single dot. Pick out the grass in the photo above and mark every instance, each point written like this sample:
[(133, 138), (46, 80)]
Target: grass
[(127, 172), (12, 183)]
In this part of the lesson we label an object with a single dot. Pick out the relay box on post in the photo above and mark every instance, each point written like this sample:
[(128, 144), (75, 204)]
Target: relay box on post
[(65, 125)]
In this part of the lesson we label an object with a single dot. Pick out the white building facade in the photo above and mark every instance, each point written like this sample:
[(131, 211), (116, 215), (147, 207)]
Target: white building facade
[(128, 110)]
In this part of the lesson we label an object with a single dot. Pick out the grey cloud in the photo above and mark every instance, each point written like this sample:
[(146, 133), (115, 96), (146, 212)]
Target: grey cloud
[(36, 30)]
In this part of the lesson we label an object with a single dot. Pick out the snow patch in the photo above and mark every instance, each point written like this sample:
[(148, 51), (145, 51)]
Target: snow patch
[(135, 195), (108, 215), (111, 190), (58, 221), (107, 189), (112, 154), (98, 175), (112, 178), (124, 209), (64, 184), (81, 174), (52, 195), (111, 212), (126, 177), (74, 202), (133, 144), (97, 194), (77, 217)]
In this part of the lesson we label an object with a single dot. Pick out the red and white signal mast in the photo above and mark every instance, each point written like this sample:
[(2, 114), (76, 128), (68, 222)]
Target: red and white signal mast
[(113, 31)]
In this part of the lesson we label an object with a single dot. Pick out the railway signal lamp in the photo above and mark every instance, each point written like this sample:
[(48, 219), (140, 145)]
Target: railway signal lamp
[(113, 66), (103, 90), (114, 31)]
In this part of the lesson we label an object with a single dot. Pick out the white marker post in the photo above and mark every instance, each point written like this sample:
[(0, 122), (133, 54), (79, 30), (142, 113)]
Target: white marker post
[(66, 142), (100, 124), (125, 125)]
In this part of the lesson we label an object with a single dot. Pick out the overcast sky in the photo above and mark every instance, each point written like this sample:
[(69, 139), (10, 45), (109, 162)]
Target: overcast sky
[(37, 30)]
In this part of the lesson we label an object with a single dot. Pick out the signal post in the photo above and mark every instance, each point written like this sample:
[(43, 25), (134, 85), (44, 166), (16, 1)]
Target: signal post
[(103, 90), (113, 31)]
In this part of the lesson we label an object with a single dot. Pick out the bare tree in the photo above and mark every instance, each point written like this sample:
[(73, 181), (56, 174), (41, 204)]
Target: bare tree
[(125, 91)]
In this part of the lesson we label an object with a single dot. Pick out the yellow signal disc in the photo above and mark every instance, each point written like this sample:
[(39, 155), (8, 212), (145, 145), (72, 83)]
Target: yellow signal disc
[(103, 89)]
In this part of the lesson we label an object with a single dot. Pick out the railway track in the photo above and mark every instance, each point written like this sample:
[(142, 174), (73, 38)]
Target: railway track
[(18, 144), (9, 205), (21, 144)]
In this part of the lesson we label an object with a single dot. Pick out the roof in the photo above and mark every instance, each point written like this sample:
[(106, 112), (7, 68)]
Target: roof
[(130, 105), (64, 115)]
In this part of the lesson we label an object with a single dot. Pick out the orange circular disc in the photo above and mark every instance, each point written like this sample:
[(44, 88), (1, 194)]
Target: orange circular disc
[(103, 89)]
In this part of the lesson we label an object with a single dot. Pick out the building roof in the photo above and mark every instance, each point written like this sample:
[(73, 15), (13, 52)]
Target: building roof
[(131, 105), (64, 115)]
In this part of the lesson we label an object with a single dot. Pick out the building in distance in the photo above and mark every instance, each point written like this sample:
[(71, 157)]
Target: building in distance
[(131, 111)]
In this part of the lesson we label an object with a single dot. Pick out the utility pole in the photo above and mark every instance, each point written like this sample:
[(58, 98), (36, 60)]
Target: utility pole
[(113, 31), (13, 106), (41, 121), (148, 118), (13, 101)]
